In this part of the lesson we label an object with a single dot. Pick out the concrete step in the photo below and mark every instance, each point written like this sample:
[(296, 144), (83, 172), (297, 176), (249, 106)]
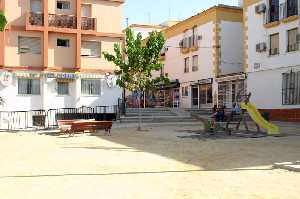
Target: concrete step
[(158, 120)]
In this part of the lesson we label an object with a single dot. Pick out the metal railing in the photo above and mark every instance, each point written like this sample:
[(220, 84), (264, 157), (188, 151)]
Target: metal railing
[(47, 119), (36, 19), (62, 21), (88, 23)]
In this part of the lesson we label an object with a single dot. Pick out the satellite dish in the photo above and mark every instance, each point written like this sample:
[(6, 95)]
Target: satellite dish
[(6, 78), (111, 80)]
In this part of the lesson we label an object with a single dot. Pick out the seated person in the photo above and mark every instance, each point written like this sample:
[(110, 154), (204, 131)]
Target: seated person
[(236, 110)]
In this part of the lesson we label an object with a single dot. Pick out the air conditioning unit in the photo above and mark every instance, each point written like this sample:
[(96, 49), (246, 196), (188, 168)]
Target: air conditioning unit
[(261, 47), (163, 51), (261, 8)]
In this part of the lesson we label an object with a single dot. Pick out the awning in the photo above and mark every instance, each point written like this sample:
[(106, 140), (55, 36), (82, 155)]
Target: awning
[(229, 78), (172, 84)]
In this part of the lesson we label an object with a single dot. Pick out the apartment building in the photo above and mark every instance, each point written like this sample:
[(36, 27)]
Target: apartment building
[(203, 58), (51, 53), (272, 56)]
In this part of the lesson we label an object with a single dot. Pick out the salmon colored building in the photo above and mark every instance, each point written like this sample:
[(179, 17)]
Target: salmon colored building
[(51, 53)]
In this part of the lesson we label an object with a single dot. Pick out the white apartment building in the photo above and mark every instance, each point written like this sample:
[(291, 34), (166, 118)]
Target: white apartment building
[(203, 58), (272, 56)]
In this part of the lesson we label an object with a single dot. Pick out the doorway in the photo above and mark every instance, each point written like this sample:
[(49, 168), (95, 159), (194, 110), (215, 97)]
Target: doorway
[(195, 97)]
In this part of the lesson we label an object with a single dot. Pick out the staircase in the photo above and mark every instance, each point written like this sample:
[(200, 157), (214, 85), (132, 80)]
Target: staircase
[(157, 115)]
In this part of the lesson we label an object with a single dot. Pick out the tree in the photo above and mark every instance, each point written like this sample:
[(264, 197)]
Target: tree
[(136, 62), (3, 23)]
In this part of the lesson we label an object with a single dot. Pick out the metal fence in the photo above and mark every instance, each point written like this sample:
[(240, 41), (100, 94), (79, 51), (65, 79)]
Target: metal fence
[(47, 119)]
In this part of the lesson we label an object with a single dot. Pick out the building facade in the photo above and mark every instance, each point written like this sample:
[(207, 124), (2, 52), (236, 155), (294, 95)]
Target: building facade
[(272, 56), (204, 54), (51, 53)]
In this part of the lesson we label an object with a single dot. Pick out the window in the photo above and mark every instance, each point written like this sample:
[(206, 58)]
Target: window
[(62, 88), (63, 42), (29, 45), (274, 11), (63, 5), (292, 40), (185, 91), (36, 6), (194, 37), (86, 10), (28, 86), (274, 44), (292, 7), (195, 63), (291, 88), (186, 65), (91, 86), (91, 49)]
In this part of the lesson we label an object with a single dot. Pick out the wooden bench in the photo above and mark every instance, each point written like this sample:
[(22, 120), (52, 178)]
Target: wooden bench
[(81, 126)]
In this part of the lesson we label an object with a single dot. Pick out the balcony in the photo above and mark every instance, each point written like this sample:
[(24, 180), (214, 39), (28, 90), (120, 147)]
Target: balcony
[(36, 19), (62, 21), (88, 23)]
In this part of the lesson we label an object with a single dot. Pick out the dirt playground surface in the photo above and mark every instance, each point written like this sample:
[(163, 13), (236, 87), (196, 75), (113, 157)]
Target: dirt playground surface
[(161, 163)]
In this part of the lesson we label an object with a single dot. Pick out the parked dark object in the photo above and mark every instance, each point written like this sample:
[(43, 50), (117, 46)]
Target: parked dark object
[(266, 116)]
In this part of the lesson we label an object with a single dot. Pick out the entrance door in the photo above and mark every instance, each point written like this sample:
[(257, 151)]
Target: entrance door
[(36, 6), (176, 98), (206, 98), (195, 97)]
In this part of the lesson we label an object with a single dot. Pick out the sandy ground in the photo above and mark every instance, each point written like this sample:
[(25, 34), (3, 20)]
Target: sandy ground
[(146, 165)]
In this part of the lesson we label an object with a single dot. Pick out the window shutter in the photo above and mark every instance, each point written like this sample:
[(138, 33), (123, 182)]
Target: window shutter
[(91, 48), (29, 45)]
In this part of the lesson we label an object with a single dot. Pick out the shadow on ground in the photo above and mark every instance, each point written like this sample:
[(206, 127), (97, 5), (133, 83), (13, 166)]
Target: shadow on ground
[(217, 152)]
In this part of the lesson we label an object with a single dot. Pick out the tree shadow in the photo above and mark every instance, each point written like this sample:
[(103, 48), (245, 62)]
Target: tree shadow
[(211, 153)]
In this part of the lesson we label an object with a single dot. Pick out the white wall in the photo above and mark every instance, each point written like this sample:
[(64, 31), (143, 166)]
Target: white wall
[(266, 89), (231, 47), (257, 34), (14, 101), (174, 61), (265, 83), (49, 99)]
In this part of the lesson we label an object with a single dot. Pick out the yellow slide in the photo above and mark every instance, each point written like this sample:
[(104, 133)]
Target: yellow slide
[(258, 119)]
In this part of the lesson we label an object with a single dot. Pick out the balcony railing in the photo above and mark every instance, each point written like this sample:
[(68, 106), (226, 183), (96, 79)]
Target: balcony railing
[(88, 23), (36, 19), (62, 21)]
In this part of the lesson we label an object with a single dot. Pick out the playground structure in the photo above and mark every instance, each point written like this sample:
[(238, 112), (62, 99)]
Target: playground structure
[(236, 119)]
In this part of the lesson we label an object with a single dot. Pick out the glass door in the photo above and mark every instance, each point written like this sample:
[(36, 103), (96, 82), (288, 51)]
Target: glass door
[(195, 97)]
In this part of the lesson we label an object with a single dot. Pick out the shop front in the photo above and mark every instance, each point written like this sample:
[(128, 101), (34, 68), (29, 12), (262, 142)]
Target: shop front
[(230, 89), (167, 95), (201, 94)]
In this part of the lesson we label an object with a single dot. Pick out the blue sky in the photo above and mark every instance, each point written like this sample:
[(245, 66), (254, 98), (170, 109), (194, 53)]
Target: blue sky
[(158, 11)]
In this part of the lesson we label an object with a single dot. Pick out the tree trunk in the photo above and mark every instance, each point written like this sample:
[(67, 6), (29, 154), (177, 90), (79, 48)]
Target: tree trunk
[(140, 116)]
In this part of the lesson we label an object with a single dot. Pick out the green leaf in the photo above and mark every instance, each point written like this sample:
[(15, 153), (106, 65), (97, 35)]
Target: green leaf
[(3, 21), (136, 62)]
